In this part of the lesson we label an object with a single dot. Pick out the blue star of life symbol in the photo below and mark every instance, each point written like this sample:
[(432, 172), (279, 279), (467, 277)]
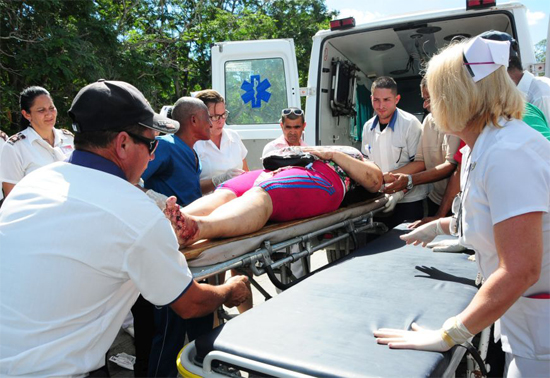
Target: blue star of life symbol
[(256, 91)]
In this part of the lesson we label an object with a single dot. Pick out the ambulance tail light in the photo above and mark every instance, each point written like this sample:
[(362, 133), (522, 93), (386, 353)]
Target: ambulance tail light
[(344, 23), (480, 4)]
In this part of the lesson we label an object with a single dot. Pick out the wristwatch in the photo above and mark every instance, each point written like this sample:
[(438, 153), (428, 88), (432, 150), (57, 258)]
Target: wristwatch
[(410, 182)]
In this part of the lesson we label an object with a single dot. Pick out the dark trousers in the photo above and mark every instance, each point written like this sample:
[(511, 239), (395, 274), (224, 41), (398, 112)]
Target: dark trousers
[(410, 211), (144, 329), (434, 207), (160, 335), (169, 339)]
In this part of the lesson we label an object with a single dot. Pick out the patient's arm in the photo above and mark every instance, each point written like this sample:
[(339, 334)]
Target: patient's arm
[(365, 173)]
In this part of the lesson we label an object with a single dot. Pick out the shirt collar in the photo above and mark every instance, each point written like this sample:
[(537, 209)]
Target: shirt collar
[(391, 125), (93, 161), (32, 135), (525, 82)]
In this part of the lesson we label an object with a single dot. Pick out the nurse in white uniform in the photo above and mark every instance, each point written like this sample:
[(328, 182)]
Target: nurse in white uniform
[(502, 211), (38, 144)]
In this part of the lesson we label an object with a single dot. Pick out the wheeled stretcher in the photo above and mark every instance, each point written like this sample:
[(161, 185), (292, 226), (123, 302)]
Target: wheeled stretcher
[(256, 251), (323, 326)]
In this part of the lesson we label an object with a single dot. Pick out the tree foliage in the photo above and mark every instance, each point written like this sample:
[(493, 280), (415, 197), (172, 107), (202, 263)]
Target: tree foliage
[(540, 51), (160, 46)]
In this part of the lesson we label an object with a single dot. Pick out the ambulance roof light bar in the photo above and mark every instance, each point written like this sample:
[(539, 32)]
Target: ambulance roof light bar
[(344, 23)]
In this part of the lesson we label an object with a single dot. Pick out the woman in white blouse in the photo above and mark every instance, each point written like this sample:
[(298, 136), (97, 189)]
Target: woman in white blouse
[(224, 155)]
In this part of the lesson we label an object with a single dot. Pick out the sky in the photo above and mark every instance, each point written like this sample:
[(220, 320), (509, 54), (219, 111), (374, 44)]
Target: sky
[(364, 11)]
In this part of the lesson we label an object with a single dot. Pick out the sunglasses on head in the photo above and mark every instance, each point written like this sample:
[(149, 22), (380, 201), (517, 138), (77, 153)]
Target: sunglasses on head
[(297, 112), (150, 143)]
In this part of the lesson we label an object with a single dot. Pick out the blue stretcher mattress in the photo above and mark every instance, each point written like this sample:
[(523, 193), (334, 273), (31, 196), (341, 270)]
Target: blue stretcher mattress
[(323, 326)]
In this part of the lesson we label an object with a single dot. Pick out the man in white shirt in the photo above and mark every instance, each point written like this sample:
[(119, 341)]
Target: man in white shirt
[(293, 125), (63, 299), (390, 139), (535, 88)]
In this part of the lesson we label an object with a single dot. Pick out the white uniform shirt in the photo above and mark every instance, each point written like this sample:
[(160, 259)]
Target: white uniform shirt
[(537, 91), (508, 174), (26, 151), (394, 147), (277, 144), (70, 276), (216, 160)]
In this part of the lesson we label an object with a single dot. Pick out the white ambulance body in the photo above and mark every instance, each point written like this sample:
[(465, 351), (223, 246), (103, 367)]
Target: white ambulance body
[(260, 78)]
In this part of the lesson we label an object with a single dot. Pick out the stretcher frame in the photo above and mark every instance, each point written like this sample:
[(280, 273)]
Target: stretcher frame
[(344, 224)]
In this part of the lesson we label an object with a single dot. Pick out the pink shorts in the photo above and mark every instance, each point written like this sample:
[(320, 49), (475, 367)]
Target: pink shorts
[(296, 192)]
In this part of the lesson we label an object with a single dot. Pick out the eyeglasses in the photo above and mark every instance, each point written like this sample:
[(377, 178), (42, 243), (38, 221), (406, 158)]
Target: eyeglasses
[(217, 117), (289, 111), (150, 143)]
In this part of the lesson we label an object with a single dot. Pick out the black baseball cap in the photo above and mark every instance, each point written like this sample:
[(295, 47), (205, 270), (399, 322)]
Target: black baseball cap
[(496, 35), (110, 105)]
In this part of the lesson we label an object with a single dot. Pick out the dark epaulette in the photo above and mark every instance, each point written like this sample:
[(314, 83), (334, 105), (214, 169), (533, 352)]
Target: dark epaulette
[(67, 132), (3, 135), (14, 138)]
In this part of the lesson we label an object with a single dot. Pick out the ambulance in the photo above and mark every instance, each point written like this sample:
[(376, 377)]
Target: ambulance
[(260, 78)]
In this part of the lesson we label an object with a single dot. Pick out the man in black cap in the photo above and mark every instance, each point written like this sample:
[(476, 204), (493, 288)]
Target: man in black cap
[(63, 299), (535, 88)]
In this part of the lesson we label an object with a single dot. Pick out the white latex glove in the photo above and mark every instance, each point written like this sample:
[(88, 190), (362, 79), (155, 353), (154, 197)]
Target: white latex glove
[(393, 199), (423, 234), (229, 174), (160, 199), (447, 245), (419, 338)]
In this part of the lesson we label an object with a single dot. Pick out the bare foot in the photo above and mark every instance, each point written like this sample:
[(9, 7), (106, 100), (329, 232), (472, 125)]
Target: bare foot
[(186, 228)]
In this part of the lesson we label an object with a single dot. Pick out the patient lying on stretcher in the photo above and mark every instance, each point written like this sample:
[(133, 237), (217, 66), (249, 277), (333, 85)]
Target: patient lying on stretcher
[(245, 203)]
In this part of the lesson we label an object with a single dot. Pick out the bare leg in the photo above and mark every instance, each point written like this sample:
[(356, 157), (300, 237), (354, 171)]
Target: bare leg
[(205, 205), (241, 216)]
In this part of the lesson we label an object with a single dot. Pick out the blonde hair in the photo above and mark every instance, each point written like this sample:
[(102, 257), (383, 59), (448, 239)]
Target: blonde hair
[(457, 101)]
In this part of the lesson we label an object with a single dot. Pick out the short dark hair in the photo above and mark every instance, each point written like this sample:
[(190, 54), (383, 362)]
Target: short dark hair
[(515, 62), (26, 101), (87, 140), (385, 82)]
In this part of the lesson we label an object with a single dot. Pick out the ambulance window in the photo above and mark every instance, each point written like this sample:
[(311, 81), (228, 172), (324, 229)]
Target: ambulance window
[(255, 91)]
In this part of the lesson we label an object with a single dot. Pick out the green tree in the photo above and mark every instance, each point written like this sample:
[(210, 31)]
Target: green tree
[(160, 46), (540, 51), (57, 44)]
